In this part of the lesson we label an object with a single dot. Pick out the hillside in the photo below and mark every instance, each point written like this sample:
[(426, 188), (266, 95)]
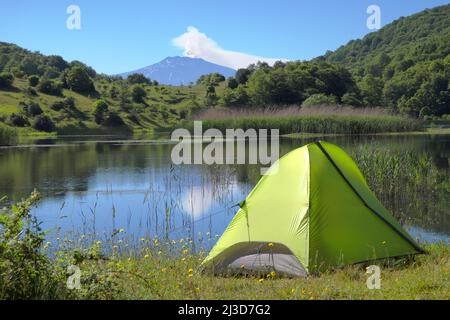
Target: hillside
[(405, 65), (47, 93), (181, 70)]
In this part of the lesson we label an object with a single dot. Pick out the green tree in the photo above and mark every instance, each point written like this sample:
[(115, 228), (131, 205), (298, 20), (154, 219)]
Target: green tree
[(18, 120), (33, 80), (211, 79), (50, 87), (235, 98), (78, 80), (138, 94), (320, 99), (29, 65), (43, 123), (138, 78), (6, 79), (100, 111), (372, 91), (211, 97), (33, 109), (232, 83), (57, 62), (242, 75), (351, 99)]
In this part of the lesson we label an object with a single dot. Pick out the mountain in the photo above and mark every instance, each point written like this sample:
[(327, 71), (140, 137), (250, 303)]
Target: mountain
[(180, 70)]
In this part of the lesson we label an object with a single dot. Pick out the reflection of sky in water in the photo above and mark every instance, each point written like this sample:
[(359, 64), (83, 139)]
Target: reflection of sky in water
[(427, 236), (144, 203)]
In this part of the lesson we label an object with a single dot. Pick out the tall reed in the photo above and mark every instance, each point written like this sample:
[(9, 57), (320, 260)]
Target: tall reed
[(328, 120)]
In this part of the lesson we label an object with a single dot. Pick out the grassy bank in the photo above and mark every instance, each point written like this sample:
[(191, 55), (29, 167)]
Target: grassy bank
[(155, 268), (325, 120), (157, 277)]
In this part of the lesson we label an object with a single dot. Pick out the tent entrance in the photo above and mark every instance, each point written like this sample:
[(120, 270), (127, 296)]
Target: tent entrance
[(258, 257)]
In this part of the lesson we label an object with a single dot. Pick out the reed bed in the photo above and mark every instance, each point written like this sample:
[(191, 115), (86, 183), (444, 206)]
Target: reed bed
[(238, 113), (327, 120)]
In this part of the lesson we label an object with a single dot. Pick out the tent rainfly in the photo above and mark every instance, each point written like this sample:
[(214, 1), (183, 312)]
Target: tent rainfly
[(312, 211)]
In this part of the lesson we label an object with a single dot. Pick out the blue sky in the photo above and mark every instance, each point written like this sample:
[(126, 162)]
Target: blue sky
[(119, 36)]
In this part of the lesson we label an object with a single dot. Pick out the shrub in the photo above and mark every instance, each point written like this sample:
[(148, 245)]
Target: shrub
[(57, 106), (33, 109), (18, 120), (49, 87), (26, 272), (6, 79), (33, 80), (210, 97), (69, 102), (184, 114), (30, 91), (43, 123), (138, 94), (232, 83), (114, 120), (100, 110), (320, 99), (425, 112), (350, 99)]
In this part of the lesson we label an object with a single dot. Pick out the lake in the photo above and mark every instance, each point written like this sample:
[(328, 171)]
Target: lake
[(97, 185)]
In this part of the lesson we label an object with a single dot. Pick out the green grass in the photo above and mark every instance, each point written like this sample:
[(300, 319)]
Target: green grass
[(153, 272)]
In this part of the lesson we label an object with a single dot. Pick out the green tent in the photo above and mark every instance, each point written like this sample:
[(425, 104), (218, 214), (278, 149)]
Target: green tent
[(312, 210)]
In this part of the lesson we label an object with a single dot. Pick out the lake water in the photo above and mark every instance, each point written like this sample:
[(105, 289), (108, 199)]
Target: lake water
[(100, 184)]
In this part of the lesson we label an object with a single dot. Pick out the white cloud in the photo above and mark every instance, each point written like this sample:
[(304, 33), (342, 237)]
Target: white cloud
[(197, 200), (197, 45)]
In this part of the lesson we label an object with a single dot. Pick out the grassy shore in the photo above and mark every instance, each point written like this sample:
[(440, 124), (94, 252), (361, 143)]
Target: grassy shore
[(161, 271), (155, 277), (35, 264)]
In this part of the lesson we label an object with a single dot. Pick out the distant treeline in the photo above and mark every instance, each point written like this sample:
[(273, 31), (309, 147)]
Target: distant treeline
[(404, 67)]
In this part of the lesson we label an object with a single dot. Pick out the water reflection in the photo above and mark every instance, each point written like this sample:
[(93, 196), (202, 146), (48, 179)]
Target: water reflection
[(97, 186)]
